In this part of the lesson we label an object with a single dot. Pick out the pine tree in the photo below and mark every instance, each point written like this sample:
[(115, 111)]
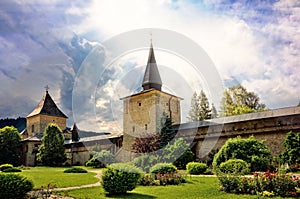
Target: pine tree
[(52, 150), (205, 111), (194, 113), (214, 113), (199, 107), (166, 133)]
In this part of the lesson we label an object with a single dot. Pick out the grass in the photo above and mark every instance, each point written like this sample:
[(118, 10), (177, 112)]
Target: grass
[(42, 176), (196, 187)]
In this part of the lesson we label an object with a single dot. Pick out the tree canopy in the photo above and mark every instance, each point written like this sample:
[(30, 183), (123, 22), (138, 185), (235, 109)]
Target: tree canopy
[(10, 143), (237, 100), (52, 150)]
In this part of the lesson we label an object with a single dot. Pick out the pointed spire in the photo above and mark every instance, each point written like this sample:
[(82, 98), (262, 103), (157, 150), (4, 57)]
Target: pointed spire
[(75, 134), (151, 77)]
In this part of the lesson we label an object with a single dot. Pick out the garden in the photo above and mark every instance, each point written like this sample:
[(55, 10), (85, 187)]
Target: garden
[(242, 168)]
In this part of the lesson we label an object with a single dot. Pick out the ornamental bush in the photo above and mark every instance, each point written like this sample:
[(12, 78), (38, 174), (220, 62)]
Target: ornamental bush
[(245, 149), (14, 186), (119, 178), (196, 168), (5, 166), (234, 166), (163, 168), (75, 170), (12, 169)]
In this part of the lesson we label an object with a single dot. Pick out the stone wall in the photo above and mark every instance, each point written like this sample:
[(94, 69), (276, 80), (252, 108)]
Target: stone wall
[(272, 130), (143, 112), (38, 123)]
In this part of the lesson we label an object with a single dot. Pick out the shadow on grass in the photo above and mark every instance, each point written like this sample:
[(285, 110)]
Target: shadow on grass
[(130, 195)]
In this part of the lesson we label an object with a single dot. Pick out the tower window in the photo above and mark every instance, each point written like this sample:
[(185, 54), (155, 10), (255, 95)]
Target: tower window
[(146, 126), (133, 128), (167, 104), (32, 128), (140, 104)]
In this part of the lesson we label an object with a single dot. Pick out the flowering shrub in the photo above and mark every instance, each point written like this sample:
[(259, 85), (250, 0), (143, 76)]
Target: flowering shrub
[(267, 184), (173, 178)]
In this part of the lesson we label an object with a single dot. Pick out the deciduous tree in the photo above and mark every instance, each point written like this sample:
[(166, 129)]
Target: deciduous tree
[(237, 100), (52, 150), (10, 143)]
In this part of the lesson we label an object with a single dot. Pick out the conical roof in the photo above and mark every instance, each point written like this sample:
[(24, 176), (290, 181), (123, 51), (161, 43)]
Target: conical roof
[(47, 107), (75, 133), (151, 77)]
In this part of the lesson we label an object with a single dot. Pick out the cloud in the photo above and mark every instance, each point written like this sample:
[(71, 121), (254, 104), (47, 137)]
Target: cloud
[(255, 43)]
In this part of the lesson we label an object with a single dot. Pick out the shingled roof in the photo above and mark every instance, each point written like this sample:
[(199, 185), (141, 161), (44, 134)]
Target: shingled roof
[(47, 107), (151, 77)]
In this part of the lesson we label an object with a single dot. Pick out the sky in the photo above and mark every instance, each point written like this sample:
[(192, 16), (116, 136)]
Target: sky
[(82, 51)]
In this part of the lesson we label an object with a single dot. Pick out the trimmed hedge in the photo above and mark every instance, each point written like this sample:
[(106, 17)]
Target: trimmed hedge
[(234, 166), (196, 168), (163, 168), (75, 170), (12, 169), (5, 166), (119, 178), (14, 186)]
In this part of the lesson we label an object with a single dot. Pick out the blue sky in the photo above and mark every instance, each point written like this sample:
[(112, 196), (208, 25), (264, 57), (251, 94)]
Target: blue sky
[(253, 43)]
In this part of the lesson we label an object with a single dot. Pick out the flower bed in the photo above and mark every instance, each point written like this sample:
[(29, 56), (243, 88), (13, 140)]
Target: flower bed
[(267, 184)]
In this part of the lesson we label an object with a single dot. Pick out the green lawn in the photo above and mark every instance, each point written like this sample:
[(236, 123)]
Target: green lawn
[(196, 187), (42, 176)]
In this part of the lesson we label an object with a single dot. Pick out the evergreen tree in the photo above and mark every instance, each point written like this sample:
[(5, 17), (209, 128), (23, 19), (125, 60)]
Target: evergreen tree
[(291, 153), (52, 150), (214, 112), (200, 109), (205, 111), (194, 113), (10, 143), (166, 133)]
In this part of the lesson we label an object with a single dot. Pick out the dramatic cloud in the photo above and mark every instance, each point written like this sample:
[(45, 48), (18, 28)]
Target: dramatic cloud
[(253, 43)]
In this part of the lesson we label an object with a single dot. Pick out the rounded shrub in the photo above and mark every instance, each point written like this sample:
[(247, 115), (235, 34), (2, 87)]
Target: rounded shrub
[(119, 178), (234, 166), (75, 170), (5, 166), (196, 168), (12, 169), (245, 149), (14, 186), (163, 168)]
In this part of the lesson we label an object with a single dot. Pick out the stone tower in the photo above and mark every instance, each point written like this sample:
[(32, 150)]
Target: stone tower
[(45, 113), (143, 110)]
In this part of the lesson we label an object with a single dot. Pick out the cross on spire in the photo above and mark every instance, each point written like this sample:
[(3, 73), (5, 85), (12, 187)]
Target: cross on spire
[(47, 88)]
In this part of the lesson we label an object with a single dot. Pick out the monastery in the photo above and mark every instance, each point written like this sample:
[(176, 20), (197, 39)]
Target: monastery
[(141, 114)]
